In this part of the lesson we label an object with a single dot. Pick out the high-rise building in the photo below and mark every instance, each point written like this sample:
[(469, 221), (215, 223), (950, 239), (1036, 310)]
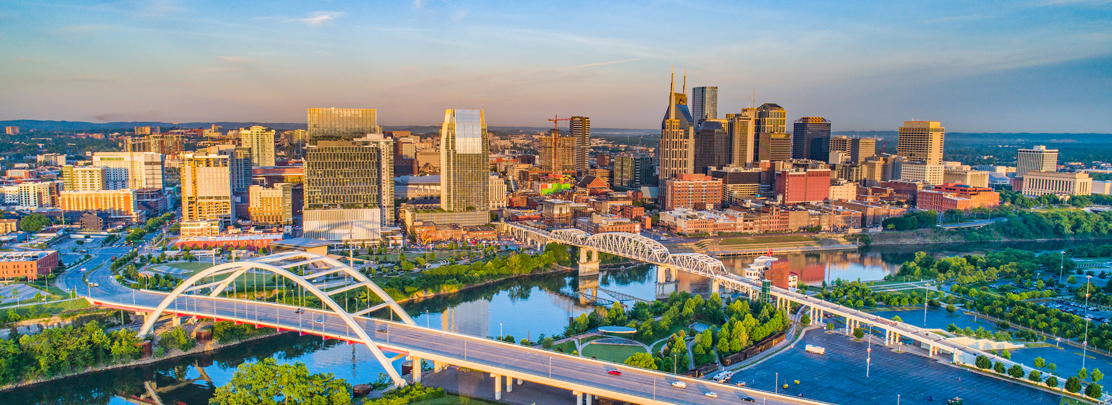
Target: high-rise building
[(704, 103), (800, 186), (688, 190), (134, 170), (811, 138), (677, 137), (272, 205), (741, 128), (464, 155), (206, 187), (972, 178), (120, 204), (922, 141), (166, 144), (712, 145), (856, 150), (738, 183), (11, 130), (633, 170), (770, 118), (774, 146), (342, 123), (1037, 158), (565, 154), (261, 142), (580, 128), (84, 178), (919, 171), (497, 192)]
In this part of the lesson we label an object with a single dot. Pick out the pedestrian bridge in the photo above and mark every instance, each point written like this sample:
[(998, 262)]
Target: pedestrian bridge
[(319, 308)]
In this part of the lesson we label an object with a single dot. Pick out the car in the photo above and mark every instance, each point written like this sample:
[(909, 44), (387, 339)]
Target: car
[(319, 320), (614, 372), (749, 399), (679, 384), (382, 329), (711, 394), (95, 285), (82, 269)]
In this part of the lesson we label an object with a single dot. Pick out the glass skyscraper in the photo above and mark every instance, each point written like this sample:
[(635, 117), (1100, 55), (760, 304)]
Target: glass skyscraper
[(464, 161), (704, 103), (811, 139), (677, 138), (580, 128), (342, 123)]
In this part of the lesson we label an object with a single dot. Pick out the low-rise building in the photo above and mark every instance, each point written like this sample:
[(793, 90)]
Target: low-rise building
[(689, 190), (957, 197), (119, 204), (601, 224), (8, 225), (1040, 183), (974, 178), (249, 241), (28, 264), (271, 205), (872, 214)]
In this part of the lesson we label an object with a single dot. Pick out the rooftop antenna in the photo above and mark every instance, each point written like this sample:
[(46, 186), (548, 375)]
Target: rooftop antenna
[(753, 101), (685, 81)]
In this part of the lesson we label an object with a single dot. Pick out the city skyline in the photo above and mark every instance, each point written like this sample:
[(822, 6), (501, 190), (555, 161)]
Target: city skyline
[(880, 64)]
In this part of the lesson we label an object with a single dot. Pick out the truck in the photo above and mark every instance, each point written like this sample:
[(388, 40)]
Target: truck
[(815, 349), (723, 376)]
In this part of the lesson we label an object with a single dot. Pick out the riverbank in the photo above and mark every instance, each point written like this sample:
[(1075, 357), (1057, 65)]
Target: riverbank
[(937, 236), (554, 269)]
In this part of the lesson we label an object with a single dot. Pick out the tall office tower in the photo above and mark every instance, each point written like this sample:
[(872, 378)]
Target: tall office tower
[(774, 146), (922, 141), (741, 129), (464, 156), (704, 103), (166, 144), (261, 143), (770, 119), (580, 128), (677, 137), (1037, 158), (349, 188), (206, 187), (811, 139), (342, 123), (712, 145), (855, 150), (565, 158), (633, 170), (84, 178), (134, 170), (240, 166)]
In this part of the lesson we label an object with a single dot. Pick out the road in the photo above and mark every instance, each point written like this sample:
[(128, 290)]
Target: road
[(550, 368)]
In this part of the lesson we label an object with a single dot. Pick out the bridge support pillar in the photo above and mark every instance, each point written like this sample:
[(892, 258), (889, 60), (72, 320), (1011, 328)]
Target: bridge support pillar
[(714, 287), (588, 261), (438, 366), (589, 397), (175, 321), (578, 398), (497, 387), (416, 370), (509, 384)]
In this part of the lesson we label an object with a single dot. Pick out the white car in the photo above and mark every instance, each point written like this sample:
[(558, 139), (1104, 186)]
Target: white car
[(679, 384), (711, 394)]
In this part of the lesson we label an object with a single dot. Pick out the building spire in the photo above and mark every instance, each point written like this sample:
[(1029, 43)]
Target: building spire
[(685, 82), (672, 96)]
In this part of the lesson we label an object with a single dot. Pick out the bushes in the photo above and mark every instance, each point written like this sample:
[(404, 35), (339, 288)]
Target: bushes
[(176, 338), (227, 331), (1073, 385), (266, 381), (59, 351), (408, 394)]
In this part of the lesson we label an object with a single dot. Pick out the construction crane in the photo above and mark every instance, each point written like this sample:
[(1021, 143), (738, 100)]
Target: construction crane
[(555, 143)]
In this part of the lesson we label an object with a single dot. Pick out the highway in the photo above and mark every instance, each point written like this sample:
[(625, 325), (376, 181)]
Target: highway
[(532, 365)]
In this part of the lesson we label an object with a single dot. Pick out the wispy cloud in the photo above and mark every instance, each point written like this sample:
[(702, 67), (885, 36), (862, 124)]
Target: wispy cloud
[(320, 19), (957, 18)]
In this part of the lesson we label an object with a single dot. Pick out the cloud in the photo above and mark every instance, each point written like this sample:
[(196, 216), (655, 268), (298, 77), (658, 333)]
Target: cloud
[(321, 19), (150, 115), (419, 4)]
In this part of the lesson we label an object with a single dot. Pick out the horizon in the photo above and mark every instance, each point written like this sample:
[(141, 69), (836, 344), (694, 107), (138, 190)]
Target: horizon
[(990, 69)]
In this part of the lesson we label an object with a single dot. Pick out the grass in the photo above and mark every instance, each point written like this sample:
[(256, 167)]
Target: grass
[(449, 399), (767, 239), (612, 353), (46, 308), (191, 266)]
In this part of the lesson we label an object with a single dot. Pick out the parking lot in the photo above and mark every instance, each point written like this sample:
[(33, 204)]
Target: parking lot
[(14, 293)]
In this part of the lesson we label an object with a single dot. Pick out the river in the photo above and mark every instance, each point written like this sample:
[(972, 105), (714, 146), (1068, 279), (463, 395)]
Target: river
[(524, 308)]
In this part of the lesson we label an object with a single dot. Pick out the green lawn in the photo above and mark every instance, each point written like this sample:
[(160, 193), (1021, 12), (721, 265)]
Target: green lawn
[(450, 399), (46, 308), (767, 239), (191, 266), (613, 353)]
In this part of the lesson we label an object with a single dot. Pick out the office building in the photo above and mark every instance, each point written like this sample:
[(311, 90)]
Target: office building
[(797, 186), (349, 180), (272, 205), (741, 129), (633, 170), (676, 154), (342, 123), (691, 191), (811, 138), (1040, 183), (852, 150), (771, 118), (498, 192), (704, 103), (464, 155), (206, 188), (922, 141), (134, 170), (738, 183), (261, 142), (712, 145), (927, 173), (564, 159), (956, 197), (973, 178), (29, 264), (166, 144), (118, 204), (774, 146), (84, 178), (1037, 158), (11, 130), (580, 128)]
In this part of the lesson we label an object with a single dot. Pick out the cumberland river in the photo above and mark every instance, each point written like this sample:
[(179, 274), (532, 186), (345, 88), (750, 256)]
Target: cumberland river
[(524, 308)]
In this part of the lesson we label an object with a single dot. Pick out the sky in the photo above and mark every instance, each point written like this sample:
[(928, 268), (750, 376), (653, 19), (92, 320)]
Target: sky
[(976, 66)]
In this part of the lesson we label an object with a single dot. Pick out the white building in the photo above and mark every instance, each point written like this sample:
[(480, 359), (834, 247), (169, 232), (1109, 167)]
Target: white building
[(498, 193), (1038, 158), (1040, 183), (134, 170), (973, 178), (931, 174), (844, 190), (261, 143)]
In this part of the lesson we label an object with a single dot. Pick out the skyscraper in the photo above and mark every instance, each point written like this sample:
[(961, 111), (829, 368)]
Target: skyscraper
[(565, 156), (580, 128), (261, 142), (774, 146), (633, 170), (712, 145), (811, 139), (1037, 158), (134, 170), (741, 129), (922, 141), (677, 137), (858, 149), (770, 119), (464, 155), (705, 103), (206, 187), (349, 175)]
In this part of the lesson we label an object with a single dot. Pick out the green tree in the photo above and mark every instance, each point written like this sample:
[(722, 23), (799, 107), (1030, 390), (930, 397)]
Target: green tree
[(1082, 373), (897, 318), (951, 308), (1052, 382), (858, 333), (33, 223), (1096, 375), (999, 367), (983, 362), (267, 381), (641, 360), (805, 320), (1006, 354), (1051, 366), (1016, 371), (1093, 391), (1035, 376), (1073, 385), (548, 343), (1040, 362)]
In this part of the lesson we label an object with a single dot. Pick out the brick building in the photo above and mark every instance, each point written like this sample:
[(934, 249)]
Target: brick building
[(800, 186), (29, 264), (957, 197), (687, 190)]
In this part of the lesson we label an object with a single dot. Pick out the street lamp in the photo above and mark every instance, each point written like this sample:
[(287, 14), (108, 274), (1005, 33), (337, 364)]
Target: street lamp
[(1061, 266), (869, 352), (1085, 343)]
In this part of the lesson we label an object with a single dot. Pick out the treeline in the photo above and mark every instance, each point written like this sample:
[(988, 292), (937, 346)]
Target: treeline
[(856, 294), (912, 220), (1046, 320), (65, 350), (453, 277), (989, 267), (139, 232)]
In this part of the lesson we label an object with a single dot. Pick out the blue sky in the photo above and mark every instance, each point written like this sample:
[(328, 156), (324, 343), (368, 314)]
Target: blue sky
[(977, 66)]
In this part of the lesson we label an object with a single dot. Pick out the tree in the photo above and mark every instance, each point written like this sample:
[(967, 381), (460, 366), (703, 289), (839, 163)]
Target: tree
[(805, 319), (1051, 366), (641, 360), (266, 381), (858, 333), (1016, 371), (1035, 376), (1096, 375), (1082, 373), (547, 343), (1073, 385), (983, 362), (34, 223), (999, 367), (897, 318), (1093, 391), (1052, 382), (1071, 280), (951, 308), (1040, 362), (1006, 354)]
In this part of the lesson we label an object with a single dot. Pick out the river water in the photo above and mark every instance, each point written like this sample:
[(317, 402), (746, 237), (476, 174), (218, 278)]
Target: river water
[(524, 308)]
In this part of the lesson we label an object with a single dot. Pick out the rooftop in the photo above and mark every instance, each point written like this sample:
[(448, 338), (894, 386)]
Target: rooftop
[(24, 256)]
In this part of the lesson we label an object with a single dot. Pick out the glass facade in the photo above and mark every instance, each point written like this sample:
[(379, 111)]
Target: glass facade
[(350, 174), (580, 128), (342, 123), (811, 139), (464, 157)]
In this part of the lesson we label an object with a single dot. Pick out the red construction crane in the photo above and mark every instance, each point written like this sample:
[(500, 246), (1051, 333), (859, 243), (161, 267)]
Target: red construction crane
[(555, 133)]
